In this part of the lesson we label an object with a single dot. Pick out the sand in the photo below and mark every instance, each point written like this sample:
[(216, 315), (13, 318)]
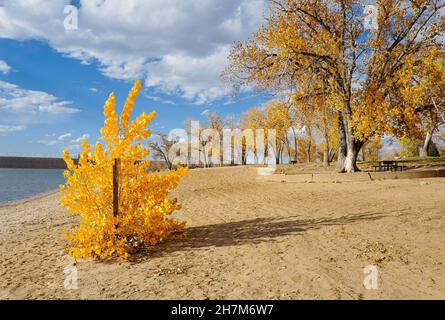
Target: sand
[(248, 239)]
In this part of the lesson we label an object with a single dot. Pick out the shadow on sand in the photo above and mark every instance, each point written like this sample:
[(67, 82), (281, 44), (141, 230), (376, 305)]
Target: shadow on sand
[(249, 232)]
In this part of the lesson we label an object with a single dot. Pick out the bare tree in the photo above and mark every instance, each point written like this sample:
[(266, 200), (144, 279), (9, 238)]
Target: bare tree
[(161, 148)]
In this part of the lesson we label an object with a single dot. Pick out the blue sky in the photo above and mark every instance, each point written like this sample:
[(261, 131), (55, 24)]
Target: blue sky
[(54, 82)]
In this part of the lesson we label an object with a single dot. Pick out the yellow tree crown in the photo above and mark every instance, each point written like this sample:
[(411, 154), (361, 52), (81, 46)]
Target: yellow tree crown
[(143, 204)]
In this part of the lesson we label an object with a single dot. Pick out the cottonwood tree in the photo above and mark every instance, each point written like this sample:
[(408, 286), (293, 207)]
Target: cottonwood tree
[(314, 109), (238, 150), (420, 95), (215, 147), (363, 67), (306, 116), (254, 119), (429, 94), (277, 118), (371, 149)]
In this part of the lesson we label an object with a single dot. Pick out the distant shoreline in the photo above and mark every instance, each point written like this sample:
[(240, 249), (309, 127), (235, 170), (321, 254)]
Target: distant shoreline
[(31, 163), (44, 163)]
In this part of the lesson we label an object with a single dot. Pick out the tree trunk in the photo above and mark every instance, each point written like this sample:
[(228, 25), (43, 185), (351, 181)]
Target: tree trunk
[(349, 148), (423, 152), (351, 156), (232, 151), (278, 155), (266, 153), (296, 145), (326, 157), (287, 145), (331, 155), (343, 146), (309, 145), (167, 160), (326, 151)]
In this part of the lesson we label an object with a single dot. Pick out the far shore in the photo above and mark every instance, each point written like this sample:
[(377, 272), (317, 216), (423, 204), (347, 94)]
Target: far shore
[(31, 163)]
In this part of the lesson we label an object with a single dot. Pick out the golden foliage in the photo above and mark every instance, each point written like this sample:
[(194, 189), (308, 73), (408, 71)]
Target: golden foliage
[(410, 147), (365, 74), (144, 205), (371, 149)]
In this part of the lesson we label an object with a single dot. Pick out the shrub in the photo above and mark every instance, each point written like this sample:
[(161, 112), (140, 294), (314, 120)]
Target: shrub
[(143, 206)]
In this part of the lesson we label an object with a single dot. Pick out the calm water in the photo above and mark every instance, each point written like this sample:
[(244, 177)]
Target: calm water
[(16, 184)]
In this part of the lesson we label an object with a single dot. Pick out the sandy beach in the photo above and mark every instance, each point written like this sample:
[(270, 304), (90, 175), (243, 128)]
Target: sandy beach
[(248, 239)]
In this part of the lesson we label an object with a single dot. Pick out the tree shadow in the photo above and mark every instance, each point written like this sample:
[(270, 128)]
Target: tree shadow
[(252, 231)]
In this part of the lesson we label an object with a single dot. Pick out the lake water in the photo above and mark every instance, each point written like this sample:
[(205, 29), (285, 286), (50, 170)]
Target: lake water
[(16, 184)]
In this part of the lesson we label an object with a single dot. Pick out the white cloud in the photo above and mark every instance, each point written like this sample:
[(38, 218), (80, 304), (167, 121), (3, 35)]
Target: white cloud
[(177, 46), (73, 144), (205, 112), (158, 99), (65, 137), (14, 99), (48, 142), (4, 67), (79, 140), (94, 90), (186, 75), (8, 128)]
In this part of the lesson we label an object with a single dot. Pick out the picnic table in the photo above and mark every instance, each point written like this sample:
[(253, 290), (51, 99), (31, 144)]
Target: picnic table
[(389, 165)]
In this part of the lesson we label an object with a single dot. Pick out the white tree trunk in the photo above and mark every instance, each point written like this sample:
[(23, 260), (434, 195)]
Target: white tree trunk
[(423, 152), (351, 160), (343, 145)]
